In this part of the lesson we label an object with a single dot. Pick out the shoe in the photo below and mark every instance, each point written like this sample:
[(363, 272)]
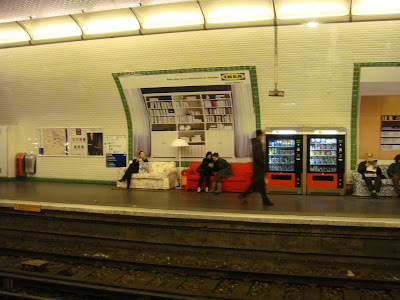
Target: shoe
[(219, 188), (206, 190), (267, 202), (120, 180), (213, 187), (374, 195), (199, 189)]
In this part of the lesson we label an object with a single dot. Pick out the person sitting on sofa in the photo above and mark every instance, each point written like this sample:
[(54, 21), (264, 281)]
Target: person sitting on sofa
[(372, 174), (221, 169), (205, 170), (138, 163), (394, 173)]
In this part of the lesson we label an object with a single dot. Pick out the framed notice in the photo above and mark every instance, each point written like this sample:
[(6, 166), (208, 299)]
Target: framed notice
[(116, 144), (86, 142), (116, 147), (53, 141)]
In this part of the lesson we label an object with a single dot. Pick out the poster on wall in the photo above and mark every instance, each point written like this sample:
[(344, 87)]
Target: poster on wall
[(53, 142), (116, 144), (116, 150), (211, 110), (86, 142)]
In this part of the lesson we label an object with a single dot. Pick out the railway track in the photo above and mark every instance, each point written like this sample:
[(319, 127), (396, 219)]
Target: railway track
[(43, 276)]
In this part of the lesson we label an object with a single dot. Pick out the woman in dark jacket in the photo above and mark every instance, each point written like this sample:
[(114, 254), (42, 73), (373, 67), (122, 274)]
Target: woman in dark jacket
[(205, 170), (221, 168), (133, 168)]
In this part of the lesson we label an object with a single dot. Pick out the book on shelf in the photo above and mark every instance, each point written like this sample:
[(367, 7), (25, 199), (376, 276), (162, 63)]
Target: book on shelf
[(390, 118)]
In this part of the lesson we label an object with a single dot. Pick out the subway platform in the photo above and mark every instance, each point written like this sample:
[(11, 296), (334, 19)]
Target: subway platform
[(289, 209)]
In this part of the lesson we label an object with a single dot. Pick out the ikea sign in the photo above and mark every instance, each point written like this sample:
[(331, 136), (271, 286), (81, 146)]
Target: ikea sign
[(233, 76)]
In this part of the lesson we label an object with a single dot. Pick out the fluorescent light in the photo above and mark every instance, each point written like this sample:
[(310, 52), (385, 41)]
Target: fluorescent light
[(306, 9), (62, 28), (108, 23), (325, 132), (12, 33), (170, 17), (374, 7), (283, 131), (54, 31), (234, 13), (239, 14), (312, 24)]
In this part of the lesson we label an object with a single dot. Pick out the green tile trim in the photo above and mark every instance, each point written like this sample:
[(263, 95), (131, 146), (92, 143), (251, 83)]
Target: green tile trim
[(62, 180), (354, 104), (8, 179), (253, 80), (127, 113)]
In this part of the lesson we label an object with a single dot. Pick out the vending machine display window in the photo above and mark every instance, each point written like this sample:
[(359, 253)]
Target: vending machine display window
[(323, 155), (281, 155)]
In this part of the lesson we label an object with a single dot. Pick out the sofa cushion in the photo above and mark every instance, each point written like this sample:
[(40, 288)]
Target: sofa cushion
[(233, 179), (147, 176), (225, 179)]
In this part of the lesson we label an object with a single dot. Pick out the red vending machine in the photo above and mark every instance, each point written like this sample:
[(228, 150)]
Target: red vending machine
[(284, 151), (326, 161)]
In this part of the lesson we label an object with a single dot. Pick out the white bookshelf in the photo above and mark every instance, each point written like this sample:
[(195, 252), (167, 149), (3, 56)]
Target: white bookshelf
[(204, 119), (390, 132)]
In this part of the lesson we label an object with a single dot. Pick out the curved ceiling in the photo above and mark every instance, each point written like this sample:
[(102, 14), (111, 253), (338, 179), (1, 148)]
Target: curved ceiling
[(12, 10), (27, 22)]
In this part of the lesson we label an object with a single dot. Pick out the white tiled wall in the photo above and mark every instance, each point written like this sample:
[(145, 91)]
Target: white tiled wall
[(70, 84)]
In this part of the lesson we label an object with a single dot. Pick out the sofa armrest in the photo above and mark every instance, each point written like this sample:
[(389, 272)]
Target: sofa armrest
[(357, 176), (167, 172), (187, 172)]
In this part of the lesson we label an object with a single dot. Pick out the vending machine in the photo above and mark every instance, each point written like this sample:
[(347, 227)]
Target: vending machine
[(326, 161), (284, 157)]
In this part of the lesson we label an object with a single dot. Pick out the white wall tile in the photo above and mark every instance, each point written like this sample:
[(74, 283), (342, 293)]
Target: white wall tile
[(70, 84)]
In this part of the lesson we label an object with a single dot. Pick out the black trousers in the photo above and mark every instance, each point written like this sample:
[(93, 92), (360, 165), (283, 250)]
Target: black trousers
[(258, 185), (127, 176), (396, 184), (205, 175), (373, 183)]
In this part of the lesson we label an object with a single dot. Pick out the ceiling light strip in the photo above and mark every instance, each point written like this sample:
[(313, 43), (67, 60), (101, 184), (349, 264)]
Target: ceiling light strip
[(72, 17), (140, 23), (23, 27), (204, 17)]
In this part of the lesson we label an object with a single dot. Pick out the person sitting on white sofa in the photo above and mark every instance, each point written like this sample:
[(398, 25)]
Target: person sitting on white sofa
[(134, 167)]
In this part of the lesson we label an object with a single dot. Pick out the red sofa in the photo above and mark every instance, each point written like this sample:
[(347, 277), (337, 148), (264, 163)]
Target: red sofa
[(239, 182)]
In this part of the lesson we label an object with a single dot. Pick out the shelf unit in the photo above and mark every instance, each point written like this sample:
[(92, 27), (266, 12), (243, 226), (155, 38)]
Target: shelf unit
[(390, 132), (204, 119)]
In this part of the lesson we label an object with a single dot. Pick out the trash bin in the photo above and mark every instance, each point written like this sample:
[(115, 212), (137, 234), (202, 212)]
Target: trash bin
[(20, 165), (30, 163)]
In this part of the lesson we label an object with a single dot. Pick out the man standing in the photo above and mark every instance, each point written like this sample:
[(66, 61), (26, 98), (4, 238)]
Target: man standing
[(394, 173), (372, 174), (258, 183)]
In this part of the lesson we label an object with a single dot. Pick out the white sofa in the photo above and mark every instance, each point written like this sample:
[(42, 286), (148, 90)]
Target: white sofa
[(161, 176), (360, 188)]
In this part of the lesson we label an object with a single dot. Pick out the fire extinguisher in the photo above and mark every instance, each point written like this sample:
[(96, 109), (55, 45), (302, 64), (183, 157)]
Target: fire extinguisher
[(20, 165)]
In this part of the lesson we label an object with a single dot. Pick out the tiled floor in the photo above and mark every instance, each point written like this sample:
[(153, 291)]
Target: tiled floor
[(191, 201)]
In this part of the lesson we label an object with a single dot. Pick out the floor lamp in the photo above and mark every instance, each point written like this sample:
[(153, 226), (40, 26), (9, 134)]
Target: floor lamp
[(179, 143)]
